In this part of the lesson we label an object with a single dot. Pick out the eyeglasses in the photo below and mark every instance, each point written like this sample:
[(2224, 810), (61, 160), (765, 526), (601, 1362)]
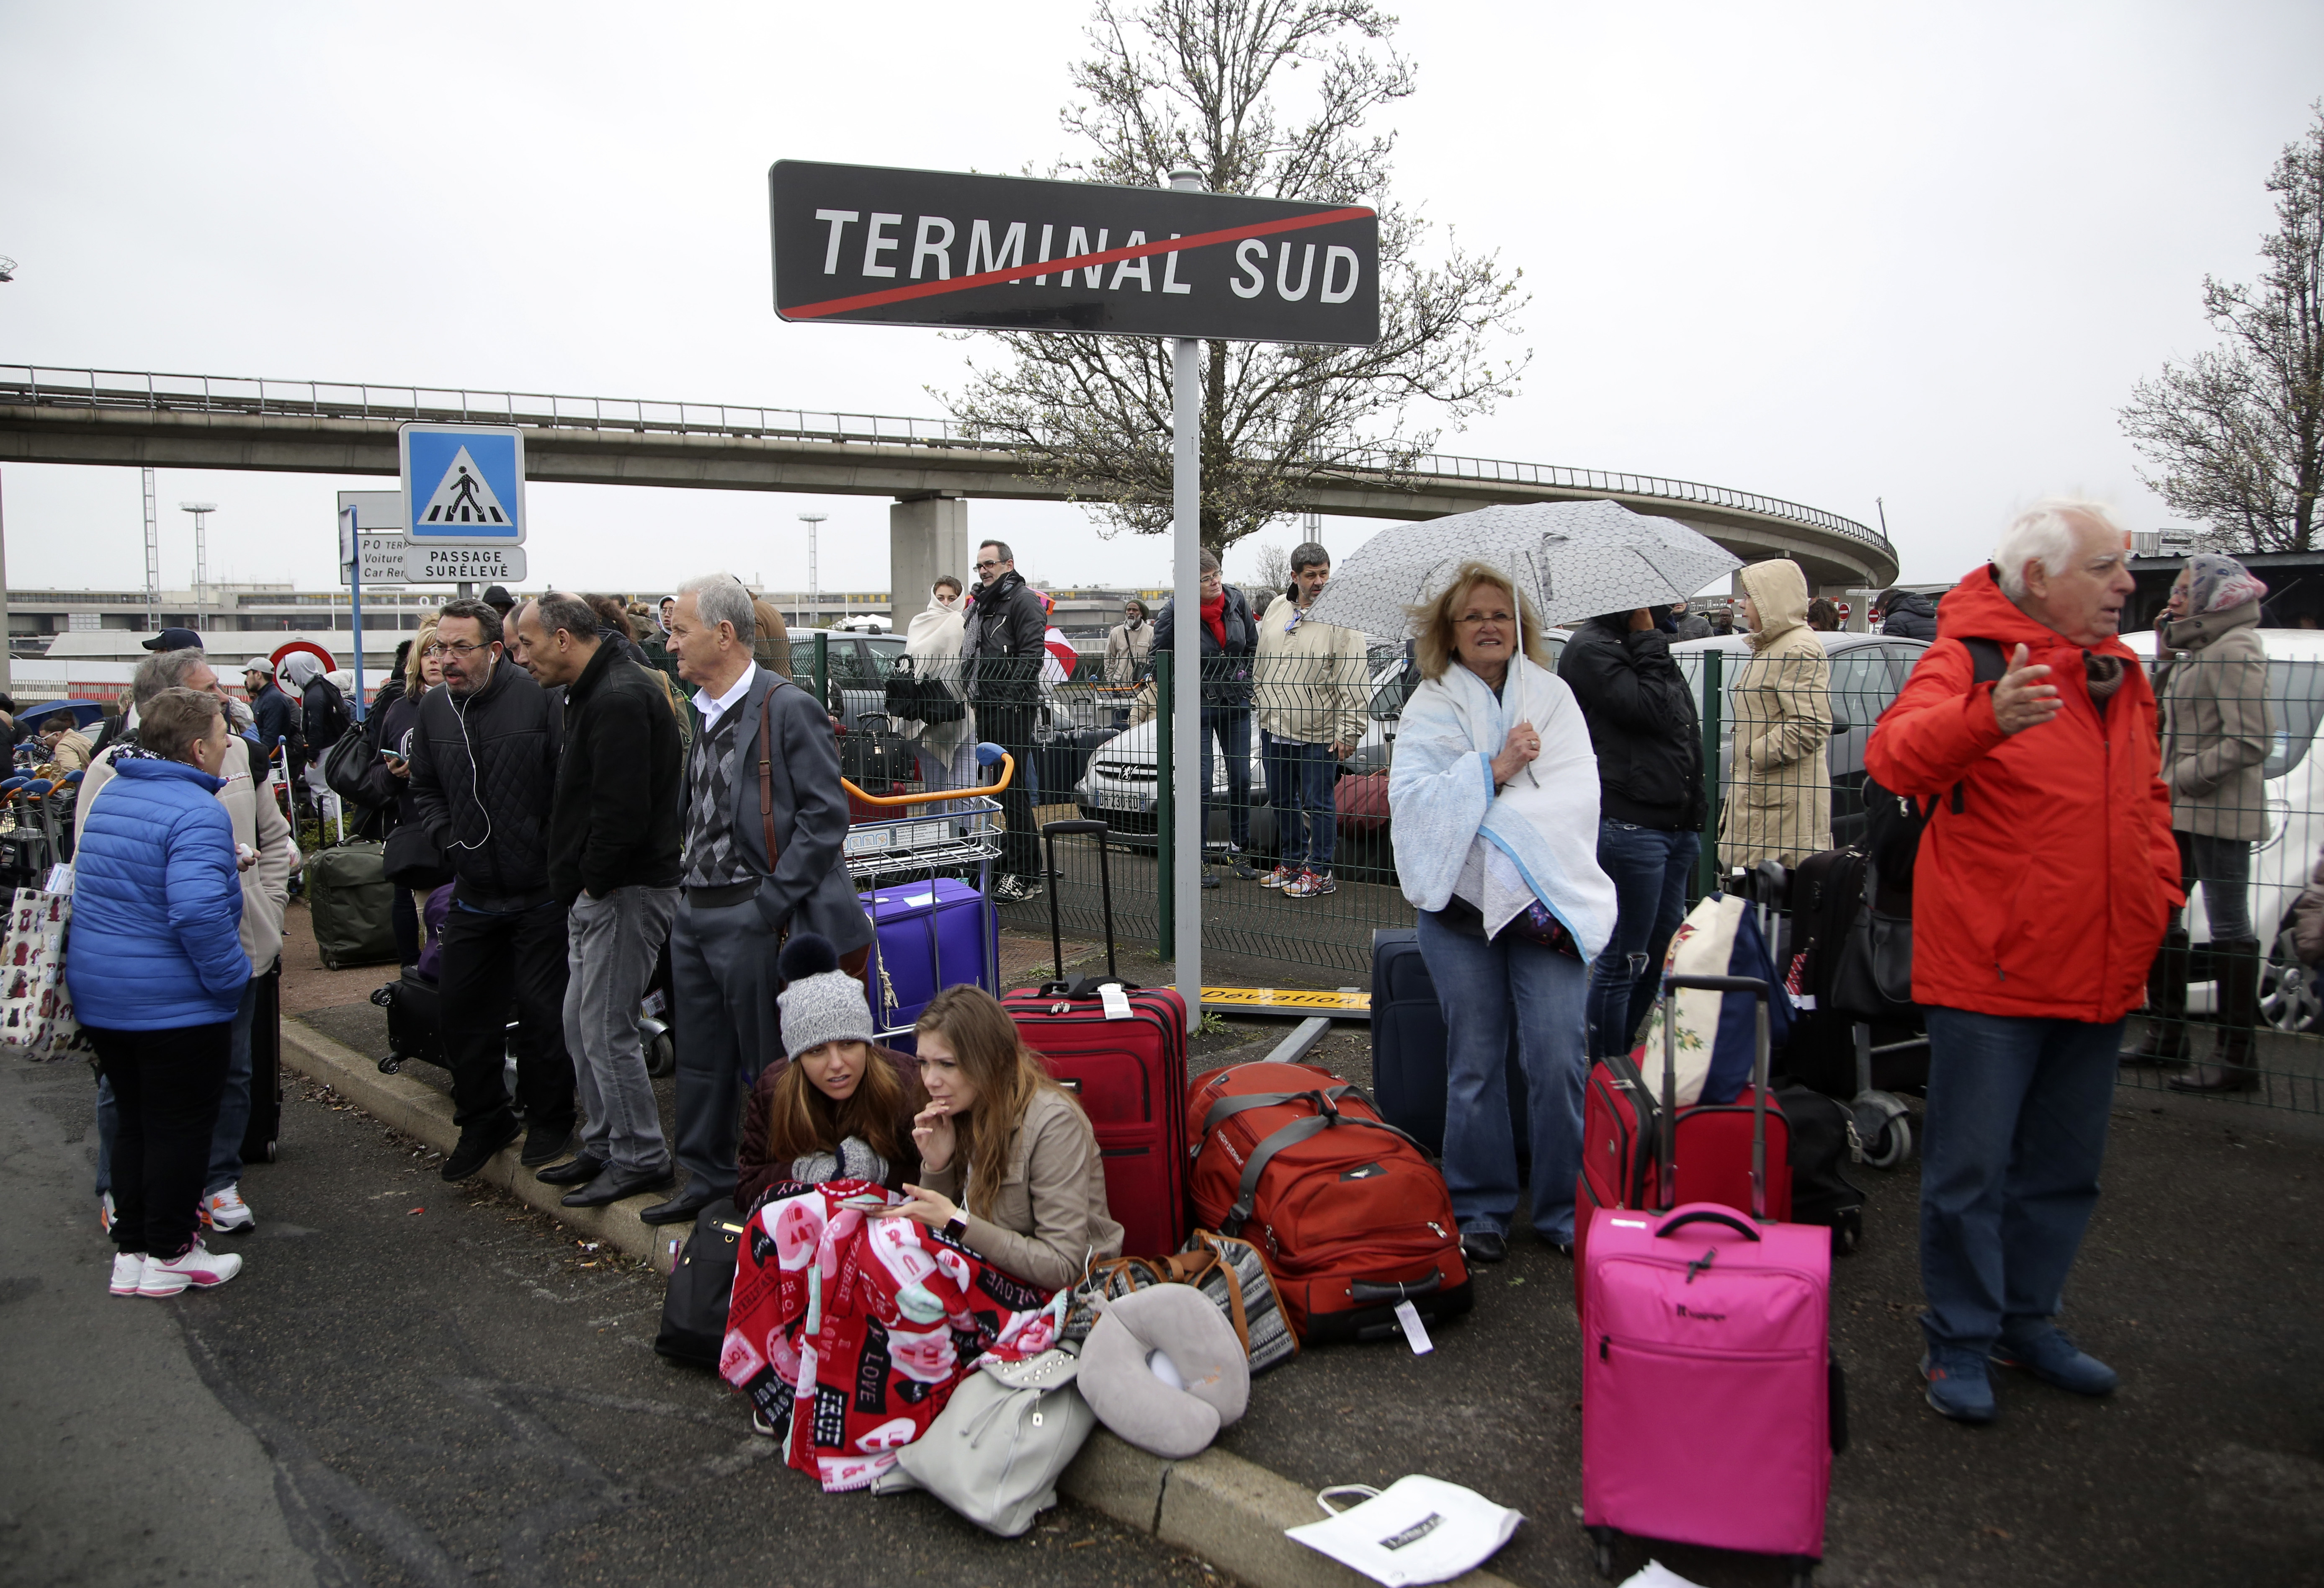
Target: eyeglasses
[(989, 562), (462, 648), (1484, 617)]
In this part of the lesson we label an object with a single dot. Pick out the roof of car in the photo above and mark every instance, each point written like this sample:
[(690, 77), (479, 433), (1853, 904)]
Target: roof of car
[(1842, 640)]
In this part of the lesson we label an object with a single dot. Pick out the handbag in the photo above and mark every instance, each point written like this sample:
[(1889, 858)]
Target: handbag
[(994, 1452), (1228, 1270), (412, 858), (911, 696), (353, 771), (693, 1310), (36, 1011)]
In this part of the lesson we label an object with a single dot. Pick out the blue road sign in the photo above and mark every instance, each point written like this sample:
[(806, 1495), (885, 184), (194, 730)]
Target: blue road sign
[(463, 485)]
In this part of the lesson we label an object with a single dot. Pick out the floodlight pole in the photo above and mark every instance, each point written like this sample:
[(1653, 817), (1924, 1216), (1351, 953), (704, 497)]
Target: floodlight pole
[(201, 512), (1186, 659), (813, 577)]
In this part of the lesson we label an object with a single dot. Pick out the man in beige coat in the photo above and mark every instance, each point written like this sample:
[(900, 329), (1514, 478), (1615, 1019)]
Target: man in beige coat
[(1309, 688), (1778, 804), (263, 837), (2211, 695)]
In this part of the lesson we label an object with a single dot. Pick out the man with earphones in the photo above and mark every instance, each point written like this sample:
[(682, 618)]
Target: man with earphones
[(484, 770)]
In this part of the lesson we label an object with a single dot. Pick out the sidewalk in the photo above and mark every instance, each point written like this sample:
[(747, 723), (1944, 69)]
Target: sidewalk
[(2199, 1282)]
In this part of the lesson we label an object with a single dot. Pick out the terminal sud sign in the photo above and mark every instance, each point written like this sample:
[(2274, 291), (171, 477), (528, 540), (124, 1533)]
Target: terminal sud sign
[(866, 244)]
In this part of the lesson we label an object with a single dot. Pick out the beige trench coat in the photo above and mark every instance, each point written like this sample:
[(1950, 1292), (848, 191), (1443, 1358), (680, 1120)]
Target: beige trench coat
[(1777, 803), (2213, 698)]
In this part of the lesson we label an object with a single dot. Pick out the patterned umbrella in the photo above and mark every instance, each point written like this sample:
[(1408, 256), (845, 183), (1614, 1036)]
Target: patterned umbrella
[(1573, 559)]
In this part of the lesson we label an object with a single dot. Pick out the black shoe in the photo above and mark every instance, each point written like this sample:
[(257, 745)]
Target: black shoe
[(577, 1171), (1210, 879), (545, 1144), (615, 1185), (1484, 1246), (478, 1146), (1246, 872), (681, 1208)]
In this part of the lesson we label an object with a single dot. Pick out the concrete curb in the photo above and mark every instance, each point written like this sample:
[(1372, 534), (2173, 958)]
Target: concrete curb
[(1229, 1511)]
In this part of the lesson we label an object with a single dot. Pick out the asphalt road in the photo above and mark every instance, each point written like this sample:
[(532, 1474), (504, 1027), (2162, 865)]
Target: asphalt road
[(408, 1384)]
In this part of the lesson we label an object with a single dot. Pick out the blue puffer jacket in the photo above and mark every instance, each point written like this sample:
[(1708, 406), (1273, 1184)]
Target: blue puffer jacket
[(156, 936)]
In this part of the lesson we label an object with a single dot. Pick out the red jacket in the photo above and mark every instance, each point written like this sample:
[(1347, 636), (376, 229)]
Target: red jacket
[(2046, 894)]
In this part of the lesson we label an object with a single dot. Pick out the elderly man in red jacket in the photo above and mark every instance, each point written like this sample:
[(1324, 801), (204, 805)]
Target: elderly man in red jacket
[(2038, 898)]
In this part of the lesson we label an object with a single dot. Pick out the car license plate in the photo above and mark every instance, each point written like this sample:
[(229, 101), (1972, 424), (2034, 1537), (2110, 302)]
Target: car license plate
[(1117, 800)]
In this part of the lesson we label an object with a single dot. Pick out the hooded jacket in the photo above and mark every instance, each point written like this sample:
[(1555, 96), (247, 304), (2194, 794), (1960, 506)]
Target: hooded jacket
[(1002, 643), (2046, 893), (1779, 789), (1911, 616), (157, 905), (482, 778), (323, 714), (1642, 723), (620, 802), (2213, 701)]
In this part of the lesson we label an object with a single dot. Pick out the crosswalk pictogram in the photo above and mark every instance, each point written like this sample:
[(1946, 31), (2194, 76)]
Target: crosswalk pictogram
[(463, 497)]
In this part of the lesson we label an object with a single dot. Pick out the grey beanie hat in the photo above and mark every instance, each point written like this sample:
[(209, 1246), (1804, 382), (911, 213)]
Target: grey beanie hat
[(822, 1004)]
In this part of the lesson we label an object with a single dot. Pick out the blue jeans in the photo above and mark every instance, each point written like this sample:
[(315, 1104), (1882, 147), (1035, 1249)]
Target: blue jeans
[(2009, 1173), (1481, 986), (233, 1115), (1231, 725), (1299, 779), (1649, 868)]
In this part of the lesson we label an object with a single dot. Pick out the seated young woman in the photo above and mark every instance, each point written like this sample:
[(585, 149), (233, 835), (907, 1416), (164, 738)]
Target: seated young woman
[(842, 1109), (996, 1125)]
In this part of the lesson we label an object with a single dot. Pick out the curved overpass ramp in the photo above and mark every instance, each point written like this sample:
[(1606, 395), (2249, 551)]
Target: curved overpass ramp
[(153, 420)]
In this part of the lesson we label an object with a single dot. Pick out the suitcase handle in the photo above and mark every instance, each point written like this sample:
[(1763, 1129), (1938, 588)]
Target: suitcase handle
[(1376, 1292), (1707, 1216), (1050, 832), (1673, 983)]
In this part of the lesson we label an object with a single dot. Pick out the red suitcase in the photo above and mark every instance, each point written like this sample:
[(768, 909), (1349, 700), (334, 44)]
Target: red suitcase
[(1130, 1074), (1709, 1144)]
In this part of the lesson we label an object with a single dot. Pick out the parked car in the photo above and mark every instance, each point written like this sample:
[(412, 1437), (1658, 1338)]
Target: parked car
[(2292, 779), (1866, 672)]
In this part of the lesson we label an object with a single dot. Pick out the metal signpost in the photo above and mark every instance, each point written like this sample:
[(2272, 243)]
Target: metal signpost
[(351, 570), (864, 245)]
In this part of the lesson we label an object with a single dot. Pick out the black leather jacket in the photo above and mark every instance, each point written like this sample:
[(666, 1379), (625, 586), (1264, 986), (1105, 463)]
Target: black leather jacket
[(1642, 724), (1001, 646), (484, 773)]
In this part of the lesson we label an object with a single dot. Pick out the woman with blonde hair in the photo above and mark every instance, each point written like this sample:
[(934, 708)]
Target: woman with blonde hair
[(997, 1125), (1494, 795), (421, 673)]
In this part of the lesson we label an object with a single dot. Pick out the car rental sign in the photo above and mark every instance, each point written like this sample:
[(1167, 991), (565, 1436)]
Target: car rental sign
[(868, 244)]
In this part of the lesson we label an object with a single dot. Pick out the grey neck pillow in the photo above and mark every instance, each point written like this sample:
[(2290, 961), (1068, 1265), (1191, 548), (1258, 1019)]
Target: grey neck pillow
[(1163, 1369)]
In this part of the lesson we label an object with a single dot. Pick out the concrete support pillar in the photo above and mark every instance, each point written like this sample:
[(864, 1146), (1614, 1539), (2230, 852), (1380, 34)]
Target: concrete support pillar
[(926, 536)]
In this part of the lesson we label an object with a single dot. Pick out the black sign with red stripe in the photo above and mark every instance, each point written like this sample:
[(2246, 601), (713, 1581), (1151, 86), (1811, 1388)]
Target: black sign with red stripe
[(868, 244)]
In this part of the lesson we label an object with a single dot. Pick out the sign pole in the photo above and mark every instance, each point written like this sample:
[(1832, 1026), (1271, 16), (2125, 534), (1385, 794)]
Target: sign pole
[(1186, 663), (351, 537)]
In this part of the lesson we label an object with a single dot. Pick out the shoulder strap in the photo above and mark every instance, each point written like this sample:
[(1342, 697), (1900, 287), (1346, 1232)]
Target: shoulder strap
[(767, 763), (1987, 665)]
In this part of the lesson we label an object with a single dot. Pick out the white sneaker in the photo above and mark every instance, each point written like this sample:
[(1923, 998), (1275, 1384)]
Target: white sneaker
[(105, 1213), (128, 1270), (228, 1211), (198, 1268)]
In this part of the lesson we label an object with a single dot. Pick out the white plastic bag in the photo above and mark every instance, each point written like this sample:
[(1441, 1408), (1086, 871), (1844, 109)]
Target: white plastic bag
[(1415, 1531)]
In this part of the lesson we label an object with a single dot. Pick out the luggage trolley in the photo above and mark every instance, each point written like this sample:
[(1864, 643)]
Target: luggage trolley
[(911, 870)]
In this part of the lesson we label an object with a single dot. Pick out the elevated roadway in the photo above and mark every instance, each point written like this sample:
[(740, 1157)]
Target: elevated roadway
[(154, 420)]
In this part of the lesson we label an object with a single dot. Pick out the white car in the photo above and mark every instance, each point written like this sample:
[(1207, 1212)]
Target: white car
[(2294, 788)]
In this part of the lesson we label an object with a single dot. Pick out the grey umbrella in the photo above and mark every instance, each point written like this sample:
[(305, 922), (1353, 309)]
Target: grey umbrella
[(1572, 559)]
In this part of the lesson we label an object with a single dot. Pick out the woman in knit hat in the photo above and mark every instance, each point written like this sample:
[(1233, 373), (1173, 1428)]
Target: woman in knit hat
[(842, 1108), (999, 1135)]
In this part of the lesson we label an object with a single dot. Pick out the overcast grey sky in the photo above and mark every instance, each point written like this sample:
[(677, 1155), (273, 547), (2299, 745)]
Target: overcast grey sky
[(1825, 251)]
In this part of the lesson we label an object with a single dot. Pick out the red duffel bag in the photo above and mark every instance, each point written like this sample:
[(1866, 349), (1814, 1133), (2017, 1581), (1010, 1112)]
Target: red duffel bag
[(1351, 1214), (1361, 802)]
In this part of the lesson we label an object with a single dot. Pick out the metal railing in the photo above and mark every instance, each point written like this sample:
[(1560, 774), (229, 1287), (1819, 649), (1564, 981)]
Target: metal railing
[(337, 399)]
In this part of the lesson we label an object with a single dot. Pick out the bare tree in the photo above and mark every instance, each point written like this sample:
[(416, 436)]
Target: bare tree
[(1193, 84), (1273, 566), (2237, 433)]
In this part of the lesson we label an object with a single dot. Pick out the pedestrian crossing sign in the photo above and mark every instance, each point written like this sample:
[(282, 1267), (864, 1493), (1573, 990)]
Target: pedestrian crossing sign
[(463, 485)]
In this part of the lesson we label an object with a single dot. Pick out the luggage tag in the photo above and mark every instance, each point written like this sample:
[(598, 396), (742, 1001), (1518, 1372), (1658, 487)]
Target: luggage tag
[(1116, 1001), (61, 878), (1416, 1333)]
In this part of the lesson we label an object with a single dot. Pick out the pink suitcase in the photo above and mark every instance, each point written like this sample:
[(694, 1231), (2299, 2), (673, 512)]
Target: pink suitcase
[(1710, 1403)]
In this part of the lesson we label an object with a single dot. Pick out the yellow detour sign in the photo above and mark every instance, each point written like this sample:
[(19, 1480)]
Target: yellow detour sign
[(1303, 1000)]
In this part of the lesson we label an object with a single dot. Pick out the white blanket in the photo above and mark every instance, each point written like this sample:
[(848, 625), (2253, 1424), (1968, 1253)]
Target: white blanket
[(1543, 827)]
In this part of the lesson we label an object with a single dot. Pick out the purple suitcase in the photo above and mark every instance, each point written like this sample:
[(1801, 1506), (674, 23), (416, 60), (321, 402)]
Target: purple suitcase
[(928, 935)]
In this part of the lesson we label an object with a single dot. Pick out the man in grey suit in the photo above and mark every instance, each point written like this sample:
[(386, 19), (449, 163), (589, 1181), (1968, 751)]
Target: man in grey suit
[(766, 824)]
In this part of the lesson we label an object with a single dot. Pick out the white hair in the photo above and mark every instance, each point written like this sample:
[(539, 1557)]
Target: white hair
[(2045, 532), (721, 598)]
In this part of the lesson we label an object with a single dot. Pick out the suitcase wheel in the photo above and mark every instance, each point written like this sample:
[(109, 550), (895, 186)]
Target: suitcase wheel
[(269, 1152), (1602, 1541), (1847, 1234), (661, 1055), (390, 1064), (1885, 1128)]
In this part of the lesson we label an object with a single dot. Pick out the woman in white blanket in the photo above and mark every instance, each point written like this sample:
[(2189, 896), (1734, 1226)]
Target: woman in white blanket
[(1493, 793)]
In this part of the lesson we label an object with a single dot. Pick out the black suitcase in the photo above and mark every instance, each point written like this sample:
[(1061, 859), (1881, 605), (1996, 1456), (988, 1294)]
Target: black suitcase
[(1408, 1078), (874, 758), (265, 1128), (415, 1021)]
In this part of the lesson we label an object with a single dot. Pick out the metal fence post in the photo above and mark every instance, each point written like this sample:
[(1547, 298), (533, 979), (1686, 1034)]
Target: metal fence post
[(1714, 701), (1166, 808), (823, 671)]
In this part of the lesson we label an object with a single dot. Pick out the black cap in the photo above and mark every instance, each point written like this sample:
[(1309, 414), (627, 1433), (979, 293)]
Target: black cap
[(175, 639), (498, 595)]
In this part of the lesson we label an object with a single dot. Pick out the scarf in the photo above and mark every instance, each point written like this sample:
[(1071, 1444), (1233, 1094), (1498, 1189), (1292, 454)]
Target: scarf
[(2216, 583), (1214, 618)]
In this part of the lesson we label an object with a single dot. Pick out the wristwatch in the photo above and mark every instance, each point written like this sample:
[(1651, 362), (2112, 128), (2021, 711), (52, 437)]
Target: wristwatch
[(956, 1226)]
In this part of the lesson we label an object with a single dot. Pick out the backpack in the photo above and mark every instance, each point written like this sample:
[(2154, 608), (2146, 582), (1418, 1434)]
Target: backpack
[(336, 717), (1893, 823), (1349, 1212)]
